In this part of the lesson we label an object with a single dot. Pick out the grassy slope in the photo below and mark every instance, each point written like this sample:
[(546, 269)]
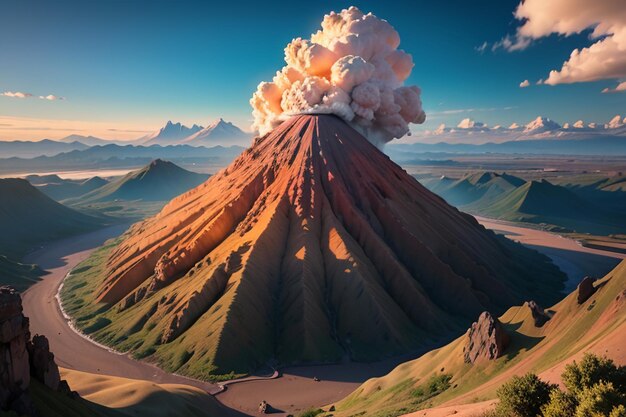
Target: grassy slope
[(19, 276), (158, 181), (572, 330), (542, 202), (28, 217)]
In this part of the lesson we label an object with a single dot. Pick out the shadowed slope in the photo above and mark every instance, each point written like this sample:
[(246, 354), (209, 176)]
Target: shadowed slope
[(311, 245), (158, 181)]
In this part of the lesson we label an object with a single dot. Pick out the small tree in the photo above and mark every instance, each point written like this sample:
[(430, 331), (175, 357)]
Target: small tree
[(561, 404), (591, 370), (619, 411), (524, 396), (599, 400)]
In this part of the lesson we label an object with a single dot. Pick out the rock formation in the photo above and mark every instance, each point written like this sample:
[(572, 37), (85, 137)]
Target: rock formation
[(14, 363), (539, 314), (311, 245), (22, 358), (486, 339), (585, 289)]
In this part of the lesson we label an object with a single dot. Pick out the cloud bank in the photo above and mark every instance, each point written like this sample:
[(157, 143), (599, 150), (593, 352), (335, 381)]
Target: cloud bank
[(353, 68), (604, 59)]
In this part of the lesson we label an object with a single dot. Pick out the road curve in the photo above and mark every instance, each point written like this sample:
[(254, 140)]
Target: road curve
[(72, 350)]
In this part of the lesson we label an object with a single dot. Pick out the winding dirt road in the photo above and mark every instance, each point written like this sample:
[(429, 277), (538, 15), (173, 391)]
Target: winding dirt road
[(72, 350)]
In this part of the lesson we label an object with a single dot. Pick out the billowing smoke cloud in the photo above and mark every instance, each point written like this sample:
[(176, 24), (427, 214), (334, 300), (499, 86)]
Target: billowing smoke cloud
[(353, 68)]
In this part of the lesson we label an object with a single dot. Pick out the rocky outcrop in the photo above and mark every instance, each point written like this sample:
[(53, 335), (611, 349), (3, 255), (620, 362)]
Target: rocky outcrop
[(585, 290), (486, 339), (42, 365), (22, 358), (539, 314), (14, 363)]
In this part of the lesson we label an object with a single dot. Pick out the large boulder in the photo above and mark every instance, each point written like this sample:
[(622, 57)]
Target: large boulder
[(486, 339), (585, 289), (540, 316), (42, 365), (22, 358)]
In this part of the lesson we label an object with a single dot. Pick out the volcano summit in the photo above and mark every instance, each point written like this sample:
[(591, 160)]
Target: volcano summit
[(311, 246)]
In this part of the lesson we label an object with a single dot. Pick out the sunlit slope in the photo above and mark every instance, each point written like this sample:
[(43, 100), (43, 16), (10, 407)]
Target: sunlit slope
[(598, 325)]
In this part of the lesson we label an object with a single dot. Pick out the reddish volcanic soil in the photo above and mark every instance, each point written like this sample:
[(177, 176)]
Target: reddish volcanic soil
[(312, 246)]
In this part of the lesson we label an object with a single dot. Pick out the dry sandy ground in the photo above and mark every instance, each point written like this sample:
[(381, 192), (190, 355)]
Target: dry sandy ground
[(134, 397), (72, 350)]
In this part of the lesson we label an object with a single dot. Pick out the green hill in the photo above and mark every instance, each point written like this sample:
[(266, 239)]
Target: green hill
[(473, 187), (61, 189), (544, 202), (29, 218), (158, 181)]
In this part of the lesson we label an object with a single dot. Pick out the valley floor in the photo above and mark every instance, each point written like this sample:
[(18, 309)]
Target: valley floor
[(297, 388)]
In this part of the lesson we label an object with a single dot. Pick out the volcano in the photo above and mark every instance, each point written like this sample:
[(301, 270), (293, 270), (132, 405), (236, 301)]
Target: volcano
[(312, 246)]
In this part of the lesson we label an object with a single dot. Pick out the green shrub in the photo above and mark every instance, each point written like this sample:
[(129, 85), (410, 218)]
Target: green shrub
[(599, 400), (312, 412), (619, 411), (591, 370), (524, 396), (561, 404), (438, 384)]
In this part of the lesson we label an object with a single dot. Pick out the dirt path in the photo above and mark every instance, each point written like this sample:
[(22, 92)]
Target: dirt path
[(72, 350)]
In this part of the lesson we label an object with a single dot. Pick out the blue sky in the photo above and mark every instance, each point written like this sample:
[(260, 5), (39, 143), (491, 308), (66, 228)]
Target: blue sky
[(132, 65)]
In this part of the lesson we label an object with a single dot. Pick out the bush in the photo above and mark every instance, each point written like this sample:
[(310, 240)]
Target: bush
[(619, 411), (599, 400), (561, 404), (591, 370), (312, 412), (524, 396)]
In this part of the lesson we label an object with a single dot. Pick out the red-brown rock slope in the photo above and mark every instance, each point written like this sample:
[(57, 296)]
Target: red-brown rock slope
[(311, 245)]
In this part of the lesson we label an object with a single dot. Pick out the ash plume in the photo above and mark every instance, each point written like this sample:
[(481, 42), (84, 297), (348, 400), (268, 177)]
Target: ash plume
[(352, 68)]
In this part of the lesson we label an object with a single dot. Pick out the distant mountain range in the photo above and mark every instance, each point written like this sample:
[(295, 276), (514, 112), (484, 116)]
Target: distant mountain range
[(118, 156), (473, 132), (591, 144), (46, 147), (219, 132)]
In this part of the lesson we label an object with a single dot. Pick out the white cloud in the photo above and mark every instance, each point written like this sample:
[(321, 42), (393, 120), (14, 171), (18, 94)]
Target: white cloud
[(604, 59), (620, 87), (16, 94), (482, 47), (19, 94), (524, 84), (51, 97)]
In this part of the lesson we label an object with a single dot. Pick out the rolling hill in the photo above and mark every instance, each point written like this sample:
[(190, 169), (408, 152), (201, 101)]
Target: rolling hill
[(473, 187), (597, 325), (312, 246), (158, 181), (61, 189), (544, 202), (28, 218)]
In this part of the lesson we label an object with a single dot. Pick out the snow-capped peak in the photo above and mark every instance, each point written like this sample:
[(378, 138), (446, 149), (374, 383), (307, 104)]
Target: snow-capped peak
[(541, 124)]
